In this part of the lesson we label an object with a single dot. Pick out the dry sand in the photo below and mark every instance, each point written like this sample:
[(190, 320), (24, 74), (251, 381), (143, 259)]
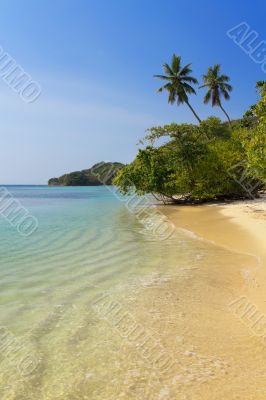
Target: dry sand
[(224, 301), (239, 226), (251, 216)]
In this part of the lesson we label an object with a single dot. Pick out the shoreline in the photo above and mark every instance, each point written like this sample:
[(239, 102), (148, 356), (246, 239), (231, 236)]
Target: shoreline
[(239, 226), (251, 216), (230, 306), (223, 302)]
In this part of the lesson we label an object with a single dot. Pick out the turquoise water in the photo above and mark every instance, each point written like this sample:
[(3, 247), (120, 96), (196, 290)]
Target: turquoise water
[(86, 242), (54, 341), (83, 233)]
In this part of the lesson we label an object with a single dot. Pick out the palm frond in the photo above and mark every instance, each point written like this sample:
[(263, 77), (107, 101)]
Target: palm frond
[(190, 79), (175, 64), (172, 96), (185, 70), (215, 96), (167, 86), (188, 89), (163, 77), (178, 81), (217, 85), (207, 97), (203, 86), (225, 94), (181, 98), (167, 69), (228, 87), (224, 78), (216, 69)]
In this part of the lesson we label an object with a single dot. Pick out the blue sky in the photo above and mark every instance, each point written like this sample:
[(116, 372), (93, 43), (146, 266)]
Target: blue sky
[(95, 60)]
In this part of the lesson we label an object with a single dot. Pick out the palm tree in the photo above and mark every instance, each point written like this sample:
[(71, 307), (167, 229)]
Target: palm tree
[(218, 86), (178, 83)]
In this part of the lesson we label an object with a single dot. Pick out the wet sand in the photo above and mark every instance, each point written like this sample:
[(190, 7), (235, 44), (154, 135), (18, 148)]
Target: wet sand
[(224, 304), (239, 226)]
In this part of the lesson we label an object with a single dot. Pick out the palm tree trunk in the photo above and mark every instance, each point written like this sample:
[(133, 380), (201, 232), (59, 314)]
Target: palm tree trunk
[(227, 116), (194, 112)]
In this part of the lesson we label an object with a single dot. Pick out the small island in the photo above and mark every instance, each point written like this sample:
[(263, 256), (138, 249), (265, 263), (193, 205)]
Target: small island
[(99, 174)]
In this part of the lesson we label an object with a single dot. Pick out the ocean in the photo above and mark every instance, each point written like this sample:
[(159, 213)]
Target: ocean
[(92, 302)]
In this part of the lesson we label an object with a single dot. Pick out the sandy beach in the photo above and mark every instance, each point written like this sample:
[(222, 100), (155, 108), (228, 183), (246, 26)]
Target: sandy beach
[(231, 303), (239, 226), (251, 216)]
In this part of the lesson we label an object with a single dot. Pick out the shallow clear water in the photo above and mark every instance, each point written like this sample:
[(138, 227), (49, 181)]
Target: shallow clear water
[(56, 339)]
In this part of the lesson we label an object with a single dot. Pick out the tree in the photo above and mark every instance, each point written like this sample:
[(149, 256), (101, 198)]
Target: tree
[(189, 168), (255, 142), (218, 86), (178, 83)]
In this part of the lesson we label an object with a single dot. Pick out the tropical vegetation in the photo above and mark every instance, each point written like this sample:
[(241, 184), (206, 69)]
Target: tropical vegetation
[(178, 83), (217, 86), (208, 161)]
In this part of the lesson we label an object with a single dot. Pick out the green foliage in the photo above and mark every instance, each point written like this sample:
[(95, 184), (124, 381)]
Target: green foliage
[(255, 142), (213, 128), (249, 119), (218, 87), (178, 83), (99, 174), (211, 160), (196, 163), (209, 129)]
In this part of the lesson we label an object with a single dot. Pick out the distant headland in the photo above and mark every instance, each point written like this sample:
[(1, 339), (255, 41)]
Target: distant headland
[(99, 174)]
